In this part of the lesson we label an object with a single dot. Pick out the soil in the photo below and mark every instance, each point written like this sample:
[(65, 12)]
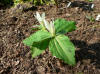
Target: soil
[(15, 26)]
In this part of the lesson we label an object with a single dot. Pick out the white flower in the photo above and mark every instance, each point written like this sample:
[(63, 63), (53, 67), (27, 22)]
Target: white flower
[(50, 27), (45, 23), (40, 18)]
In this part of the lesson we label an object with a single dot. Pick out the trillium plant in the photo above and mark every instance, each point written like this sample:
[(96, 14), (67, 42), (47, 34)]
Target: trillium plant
[(51, 35)]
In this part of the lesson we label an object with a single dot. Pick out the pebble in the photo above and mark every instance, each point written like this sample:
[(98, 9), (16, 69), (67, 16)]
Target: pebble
[(98, 17)]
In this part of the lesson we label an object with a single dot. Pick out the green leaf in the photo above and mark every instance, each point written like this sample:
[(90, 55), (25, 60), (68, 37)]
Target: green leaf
[(62, 48), (37, 37), (42, 45), (63, 26), (35, 51), (38, 47), (90, 0)]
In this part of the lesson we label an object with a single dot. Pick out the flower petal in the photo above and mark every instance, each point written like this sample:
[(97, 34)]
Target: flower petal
[(52, 29), (47, 25), (38, 17), (43, 16)]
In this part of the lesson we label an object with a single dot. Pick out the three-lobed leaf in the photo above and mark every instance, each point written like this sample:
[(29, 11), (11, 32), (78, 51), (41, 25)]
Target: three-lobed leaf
[(62, 26), (62, 48)]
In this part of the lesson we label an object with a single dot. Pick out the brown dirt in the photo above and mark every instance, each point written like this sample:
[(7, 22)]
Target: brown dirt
[(15, 57)]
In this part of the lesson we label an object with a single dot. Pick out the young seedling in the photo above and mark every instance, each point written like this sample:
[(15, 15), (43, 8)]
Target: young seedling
[(17, 2), (41, 2), (90, 18), (52, 35), (90, 0)]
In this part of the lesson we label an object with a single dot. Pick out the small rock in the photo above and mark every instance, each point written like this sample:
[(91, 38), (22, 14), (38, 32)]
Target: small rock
[(86, 61), (15, 63), (69, 4), (41, 69), (68, 15), (98, 17)]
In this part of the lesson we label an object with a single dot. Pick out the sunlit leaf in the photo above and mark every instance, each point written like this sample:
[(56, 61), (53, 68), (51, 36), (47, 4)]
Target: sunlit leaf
[(62, 48)]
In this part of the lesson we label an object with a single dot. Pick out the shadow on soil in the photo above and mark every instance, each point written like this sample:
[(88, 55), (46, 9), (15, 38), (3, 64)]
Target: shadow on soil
[(86, 51), (82, 4)]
